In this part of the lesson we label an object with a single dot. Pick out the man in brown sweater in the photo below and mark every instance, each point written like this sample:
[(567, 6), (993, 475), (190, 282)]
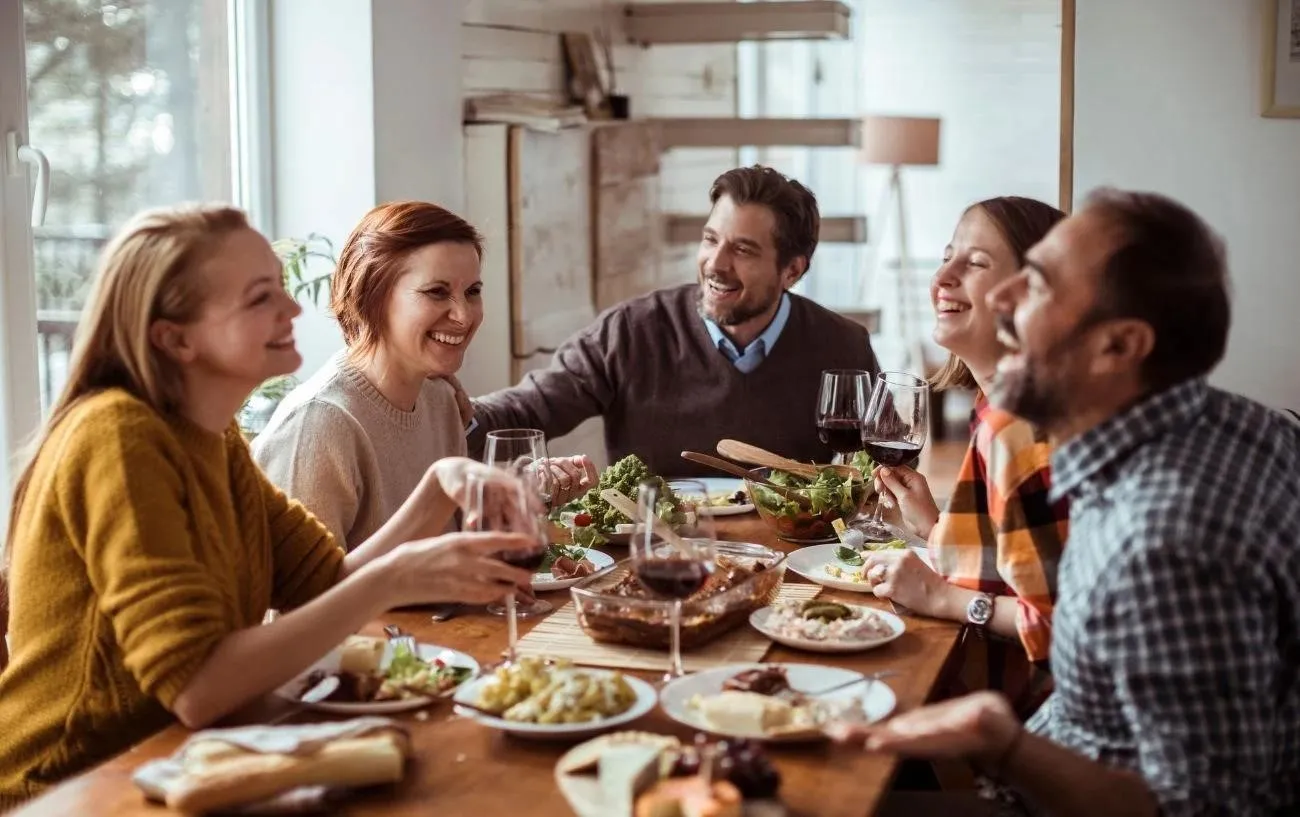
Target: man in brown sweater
[(733, 355)]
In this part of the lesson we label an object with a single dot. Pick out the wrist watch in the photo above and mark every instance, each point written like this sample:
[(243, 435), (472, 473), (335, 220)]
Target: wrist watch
[(980, 609)]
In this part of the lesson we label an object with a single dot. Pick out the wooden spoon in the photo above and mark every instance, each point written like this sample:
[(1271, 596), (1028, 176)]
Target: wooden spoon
[(744, 473), (628, 508), (744, 452)]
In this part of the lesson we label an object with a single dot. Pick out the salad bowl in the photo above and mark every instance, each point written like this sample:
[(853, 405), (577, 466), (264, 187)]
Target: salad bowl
[(838, 492)]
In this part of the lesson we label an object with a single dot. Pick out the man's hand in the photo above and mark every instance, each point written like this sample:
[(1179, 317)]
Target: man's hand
[(982, 728), (463, 404)]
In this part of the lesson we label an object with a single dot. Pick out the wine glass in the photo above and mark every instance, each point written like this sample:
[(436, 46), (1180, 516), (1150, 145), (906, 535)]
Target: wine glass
[(672, 571), (529, 521), (841, 403), (894, 428), (522, 452), (518, 448)]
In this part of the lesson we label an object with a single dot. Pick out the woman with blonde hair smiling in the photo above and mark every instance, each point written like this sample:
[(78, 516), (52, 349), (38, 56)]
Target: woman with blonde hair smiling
[(145, 546), (353, 440)]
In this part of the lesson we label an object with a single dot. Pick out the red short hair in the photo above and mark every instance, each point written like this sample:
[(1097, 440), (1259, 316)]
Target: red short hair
[(375, 256)]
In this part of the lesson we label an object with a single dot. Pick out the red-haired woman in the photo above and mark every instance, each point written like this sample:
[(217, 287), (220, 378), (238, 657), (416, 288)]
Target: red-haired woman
[(354, 439)]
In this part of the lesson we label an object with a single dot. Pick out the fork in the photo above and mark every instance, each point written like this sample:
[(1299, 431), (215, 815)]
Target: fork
[(398, 638), (866, 679)]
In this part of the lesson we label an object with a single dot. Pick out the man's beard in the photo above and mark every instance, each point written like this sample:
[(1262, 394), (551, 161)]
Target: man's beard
[(1025, 393), (744, 310)]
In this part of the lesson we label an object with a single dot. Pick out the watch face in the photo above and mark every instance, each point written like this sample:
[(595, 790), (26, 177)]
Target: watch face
[(980, 609)]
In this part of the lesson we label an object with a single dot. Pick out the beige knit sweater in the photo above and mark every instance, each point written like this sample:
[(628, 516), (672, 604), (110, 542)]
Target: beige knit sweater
[(339, 447)]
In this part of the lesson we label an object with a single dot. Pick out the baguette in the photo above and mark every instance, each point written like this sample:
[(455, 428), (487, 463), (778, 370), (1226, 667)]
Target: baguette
[(221, 776)]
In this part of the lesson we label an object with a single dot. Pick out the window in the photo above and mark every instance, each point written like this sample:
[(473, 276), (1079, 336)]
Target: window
[(131, 101)]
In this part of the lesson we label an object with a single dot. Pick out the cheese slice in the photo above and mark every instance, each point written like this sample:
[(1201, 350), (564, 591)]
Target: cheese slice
[(746, 713), (625, 772), (585, 758)]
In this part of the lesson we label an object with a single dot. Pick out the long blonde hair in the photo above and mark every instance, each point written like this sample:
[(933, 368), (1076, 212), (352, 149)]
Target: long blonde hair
[(146, 273)]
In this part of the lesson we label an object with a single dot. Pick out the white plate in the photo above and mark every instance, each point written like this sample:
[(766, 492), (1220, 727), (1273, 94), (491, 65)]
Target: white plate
[(811, 562), (724, 486), (545, 582), (759, 619), (645, 701), (877, 698), (330, 663)]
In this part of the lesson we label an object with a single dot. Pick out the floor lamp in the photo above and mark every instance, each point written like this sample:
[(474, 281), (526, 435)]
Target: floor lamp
[(896, 141)]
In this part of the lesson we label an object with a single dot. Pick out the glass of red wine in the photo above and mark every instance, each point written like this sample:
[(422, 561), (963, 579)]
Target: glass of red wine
[(522, 452), (841, 403), (894, 427), (678, 569), (481, 516)]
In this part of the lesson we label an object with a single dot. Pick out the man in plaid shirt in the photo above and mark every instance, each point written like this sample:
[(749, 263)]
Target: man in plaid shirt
[(1176, 643)]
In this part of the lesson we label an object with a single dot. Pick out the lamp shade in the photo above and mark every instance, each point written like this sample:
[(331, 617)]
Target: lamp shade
[(900, 140)]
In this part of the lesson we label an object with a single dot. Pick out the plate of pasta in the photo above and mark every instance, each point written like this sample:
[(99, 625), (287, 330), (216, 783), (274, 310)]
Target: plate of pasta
[(539, 698)]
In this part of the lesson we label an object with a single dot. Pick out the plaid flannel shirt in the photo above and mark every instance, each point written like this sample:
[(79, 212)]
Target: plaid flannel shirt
[(1176, 649), (1002, 533)]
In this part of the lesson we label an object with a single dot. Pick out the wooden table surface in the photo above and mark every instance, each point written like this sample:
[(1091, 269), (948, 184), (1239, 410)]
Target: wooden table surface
[(461, 768)]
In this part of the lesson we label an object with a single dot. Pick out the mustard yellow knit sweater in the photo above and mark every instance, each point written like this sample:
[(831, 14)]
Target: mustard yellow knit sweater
[(143, 541)]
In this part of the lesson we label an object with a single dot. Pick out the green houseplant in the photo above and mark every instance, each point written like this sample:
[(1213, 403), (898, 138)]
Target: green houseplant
[(306, 287)]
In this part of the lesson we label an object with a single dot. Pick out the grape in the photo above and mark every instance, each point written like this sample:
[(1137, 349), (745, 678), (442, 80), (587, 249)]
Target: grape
[(743, 762)]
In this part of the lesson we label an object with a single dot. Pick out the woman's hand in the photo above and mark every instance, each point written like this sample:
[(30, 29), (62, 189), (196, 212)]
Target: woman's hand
[(571, 477), (907, 489), (981, 727), (901, 577), (492, 498), (458, 567)]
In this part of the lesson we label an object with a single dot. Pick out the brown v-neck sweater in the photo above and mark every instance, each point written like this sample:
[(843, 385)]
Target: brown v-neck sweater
[(650, 368)]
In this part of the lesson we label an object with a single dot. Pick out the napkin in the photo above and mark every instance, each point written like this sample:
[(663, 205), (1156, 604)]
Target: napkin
[(276, 769)]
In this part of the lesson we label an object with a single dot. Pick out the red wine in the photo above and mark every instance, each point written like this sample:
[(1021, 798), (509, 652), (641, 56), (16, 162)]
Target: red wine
[(891, 453), (675, 578), (843, 436), (527, 559)]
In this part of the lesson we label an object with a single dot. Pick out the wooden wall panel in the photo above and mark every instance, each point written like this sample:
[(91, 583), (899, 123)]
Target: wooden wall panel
[(513, 45), (626, 233), (498, 60), (550, 252)]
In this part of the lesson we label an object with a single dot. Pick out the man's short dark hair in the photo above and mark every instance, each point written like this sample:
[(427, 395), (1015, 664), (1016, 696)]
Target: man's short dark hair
[(1170, 270), (798, 222)]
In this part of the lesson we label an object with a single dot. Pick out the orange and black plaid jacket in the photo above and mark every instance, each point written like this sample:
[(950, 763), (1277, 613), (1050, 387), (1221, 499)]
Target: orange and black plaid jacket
[(1002, 534)]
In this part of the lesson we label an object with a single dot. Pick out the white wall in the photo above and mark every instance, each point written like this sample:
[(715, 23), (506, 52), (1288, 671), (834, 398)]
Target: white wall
[(367, 108), (1167, 99)]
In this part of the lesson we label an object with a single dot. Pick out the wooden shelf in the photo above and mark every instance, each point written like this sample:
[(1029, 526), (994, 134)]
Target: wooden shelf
[(681, 228), (733, 22), (708, 132)]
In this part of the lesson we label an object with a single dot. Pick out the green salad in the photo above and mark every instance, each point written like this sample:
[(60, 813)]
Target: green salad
[(830, 496), (592, 519)]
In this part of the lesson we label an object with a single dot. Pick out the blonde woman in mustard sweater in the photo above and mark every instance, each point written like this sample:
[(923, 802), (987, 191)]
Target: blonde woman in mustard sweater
[(145, 545)]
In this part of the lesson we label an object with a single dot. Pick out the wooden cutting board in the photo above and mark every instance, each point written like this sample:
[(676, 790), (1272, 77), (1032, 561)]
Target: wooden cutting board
[(560, 636)]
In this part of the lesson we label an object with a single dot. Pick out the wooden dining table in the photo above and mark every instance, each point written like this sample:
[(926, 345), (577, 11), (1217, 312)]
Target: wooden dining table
[(460, 767)]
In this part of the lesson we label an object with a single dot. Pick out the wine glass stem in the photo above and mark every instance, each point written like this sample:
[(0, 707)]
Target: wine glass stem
[(675, 630), (512, 627)]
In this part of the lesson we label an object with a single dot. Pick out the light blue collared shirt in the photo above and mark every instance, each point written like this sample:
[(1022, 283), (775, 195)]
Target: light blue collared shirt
[(748, 359)]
